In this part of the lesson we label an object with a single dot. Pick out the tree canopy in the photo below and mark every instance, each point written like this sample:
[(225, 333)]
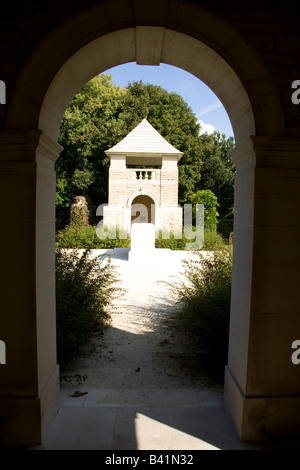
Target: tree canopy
[(101, 114)]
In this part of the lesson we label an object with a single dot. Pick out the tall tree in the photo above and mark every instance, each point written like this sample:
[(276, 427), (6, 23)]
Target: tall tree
[(101, 114), (218, 171), (89, 126)]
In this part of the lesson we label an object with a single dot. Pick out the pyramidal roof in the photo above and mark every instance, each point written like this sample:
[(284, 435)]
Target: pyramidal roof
[(144, 139)]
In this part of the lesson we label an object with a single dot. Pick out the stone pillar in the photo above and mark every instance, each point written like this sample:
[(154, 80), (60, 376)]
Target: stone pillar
[(262, 385), (29, 381)]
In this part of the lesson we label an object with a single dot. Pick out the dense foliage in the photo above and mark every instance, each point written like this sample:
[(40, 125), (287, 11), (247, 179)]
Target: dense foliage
[(210, 203), (218, 171), (204, 295), (83, 292)]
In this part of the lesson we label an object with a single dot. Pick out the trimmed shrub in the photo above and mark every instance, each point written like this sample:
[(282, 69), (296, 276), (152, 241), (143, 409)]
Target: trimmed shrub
[(212, 241), (83, 291), (171, 242), (86, 237)]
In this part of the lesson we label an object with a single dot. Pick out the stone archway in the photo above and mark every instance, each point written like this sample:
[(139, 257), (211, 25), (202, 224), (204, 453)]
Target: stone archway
[(259, 382), (143, 209)]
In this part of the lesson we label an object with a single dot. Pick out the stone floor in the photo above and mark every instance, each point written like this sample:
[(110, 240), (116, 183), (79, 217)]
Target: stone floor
[(137, 388)]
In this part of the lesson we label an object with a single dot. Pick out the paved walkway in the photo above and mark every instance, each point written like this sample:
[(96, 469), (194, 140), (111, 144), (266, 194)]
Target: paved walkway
[(139, 389)]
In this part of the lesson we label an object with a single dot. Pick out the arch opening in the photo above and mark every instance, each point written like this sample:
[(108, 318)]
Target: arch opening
[(143, 210), (177, 49)]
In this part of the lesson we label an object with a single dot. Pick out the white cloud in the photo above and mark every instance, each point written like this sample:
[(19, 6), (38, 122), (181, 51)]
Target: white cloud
[(209, 108), (206, 128)]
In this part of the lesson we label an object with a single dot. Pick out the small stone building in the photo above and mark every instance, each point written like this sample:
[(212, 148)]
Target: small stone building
[(143, 181)]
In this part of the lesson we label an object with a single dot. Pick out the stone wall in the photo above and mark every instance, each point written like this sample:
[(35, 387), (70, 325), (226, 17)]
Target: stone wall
[(124, 185)]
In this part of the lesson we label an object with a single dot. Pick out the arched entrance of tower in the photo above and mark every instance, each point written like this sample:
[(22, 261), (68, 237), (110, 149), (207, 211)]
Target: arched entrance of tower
[(87, 44), (143, 210)]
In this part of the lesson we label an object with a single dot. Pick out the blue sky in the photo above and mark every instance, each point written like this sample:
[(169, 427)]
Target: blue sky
[(204, 103)]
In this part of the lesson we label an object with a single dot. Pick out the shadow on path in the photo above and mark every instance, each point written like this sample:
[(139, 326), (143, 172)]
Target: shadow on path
[(141, 387)]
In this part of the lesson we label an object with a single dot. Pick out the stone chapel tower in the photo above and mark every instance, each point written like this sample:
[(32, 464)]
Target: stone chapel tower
[(143, 181)]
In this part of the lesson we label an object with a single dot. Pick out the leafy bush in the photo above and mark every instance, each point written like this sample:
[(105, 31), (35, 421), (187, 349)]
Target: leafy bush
[(205, 295), (212, 241), (210, 202), (86, 237), (83, 291)]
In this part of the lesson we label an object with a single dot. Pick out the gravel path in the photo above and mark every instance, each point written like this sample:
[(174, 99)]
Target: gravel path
[(137, 389), (142, 358)]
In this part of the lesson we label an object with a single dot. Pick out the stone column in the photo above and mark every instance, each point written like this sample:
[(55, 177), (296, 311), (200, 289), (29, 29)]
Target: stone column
[(262, 385), (29, 381)]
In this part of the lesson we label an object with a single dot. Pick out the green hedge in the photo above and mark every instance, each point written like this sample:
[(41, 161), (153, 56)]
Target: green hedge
[(212, 241), (86, 237)]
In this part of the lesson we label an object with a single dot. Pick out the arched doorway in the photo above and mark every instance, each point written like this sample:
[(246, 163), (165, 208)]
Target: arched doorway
[(217, 54), (143, 210)]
